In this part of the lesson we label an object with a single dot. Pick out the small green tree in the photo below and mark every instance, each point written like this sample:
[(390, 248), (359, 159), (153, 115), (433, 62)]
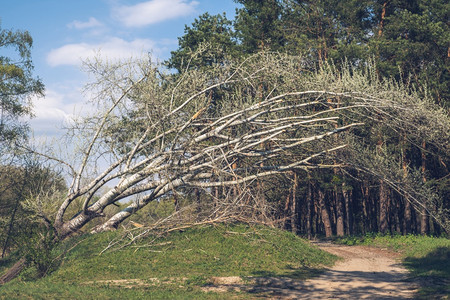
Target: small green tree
[(18, 215), (17, 84), (209, 40)]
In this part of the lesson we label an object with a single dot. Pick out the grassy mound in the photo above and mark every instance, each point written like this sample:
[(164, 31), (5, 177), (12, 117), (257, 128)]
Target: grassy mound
[(174, 266)]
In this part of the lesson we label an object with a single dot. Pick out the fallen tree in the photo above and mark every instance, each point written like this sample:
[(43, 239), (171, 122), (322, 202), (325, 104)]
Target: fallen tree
[(155, 133)]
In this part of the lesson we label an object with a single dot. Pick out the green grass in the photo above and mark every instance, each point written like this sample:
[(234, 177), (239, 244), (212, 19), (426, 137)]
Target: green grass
[(427, 258), (181, 262)]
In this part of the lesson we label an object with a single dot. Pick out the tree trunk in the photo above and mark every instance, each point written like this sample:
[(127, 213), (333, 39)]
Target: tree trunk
[(66, 229), (424, 214), (348, 216), (13, 271), (407, 220), (309, 203), (294, 215), (287, 220), (383, 17), (397, 216), (10, 227), (13, 214), (325, 215), (384, 204), (339, 213), (366, 208), (407, 208), (317, 217)]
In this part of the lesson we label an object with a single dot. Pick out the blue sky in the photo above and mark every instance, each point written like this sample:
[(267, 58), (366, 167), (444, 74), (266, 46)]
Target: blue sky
[(66, 31)]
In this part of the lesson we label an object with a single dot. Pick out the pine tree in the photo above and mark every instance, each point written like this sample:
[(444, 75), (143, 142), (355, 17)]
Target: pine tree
[(258, 25), (207, 41)]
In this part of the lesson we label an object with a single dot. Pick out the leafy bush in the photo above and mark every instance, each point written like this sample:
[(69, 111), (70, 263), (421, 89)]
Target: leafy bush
[(37, 244)]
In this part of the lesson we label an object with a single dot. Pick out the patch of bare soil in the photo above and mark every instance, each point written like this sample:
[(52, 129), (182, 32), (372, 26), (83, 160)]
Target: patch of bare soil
[(125, 283), (136, 283), (363, 273)]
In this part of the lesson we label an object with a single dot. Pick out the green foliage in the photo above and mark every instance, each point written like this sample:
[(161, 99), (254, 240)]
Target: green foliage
[(258, 26), (181, 262), (38, 246), (327, 29), (154, 211), (22, 211), (409, 39), (17, 84), (414, 41), (208, 41)]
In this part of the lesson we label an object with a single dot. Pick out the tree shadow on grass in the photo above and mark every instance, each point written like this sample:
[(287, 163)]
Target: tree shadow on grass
[(292, 273), (282, 284), (333, 284), (432, 273)]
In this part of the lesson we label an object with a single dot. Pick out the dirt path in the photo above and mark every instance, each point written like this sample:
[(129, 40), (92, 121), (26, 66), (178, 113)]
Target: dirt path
[(364, 273)]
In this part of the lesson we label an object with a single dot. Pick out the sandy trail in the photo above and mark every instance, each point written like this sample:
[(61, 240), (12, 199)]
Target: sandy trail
[(363, 273)]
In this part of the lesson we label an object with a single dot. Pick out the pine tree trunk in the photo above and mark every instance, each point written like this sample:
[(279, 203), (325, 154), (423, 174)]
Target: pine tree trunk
[(366, 208), (348, 216), (384, 204), (339, 213), (424, 214), (294, 215), (407, 218), (397, 222), (407, 207), (309, 216), (317, 217), (383, 17), (287, 221), (325, 215)]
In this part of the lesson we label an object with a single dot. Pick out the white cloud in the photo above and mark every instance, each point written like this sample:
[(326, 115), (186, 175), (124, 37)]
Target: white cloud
[(153, 11), (51, 113), (93, 22), (52, 106), (113, 48)]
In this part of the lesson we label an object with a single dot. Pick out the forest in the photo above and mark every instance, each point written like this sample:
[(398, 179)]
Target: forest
[(324, 118), (403, 41)]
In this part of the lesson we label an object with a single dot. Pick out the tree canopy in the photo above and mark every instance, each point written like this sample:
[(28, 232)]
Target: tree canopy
[(17, 84), (408, 39), (209, 40)]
